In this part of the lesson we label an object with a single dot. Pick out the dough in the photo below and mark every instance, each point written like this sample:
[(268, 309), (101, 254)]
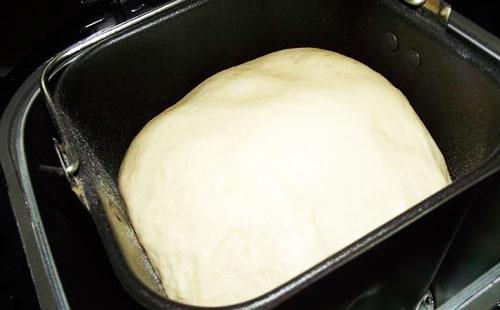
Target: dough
[(267, 168)]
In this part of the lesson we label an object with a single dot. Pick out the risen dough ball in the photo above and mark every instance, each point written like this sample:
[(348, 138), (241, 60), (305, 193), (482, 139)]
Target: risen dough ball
[(269, 167)]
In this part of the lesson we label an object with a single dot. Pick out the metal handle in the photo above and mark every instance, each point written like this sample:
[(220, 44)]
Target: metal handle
[(415, 2), (70, 54), (438, 8), (475, 34)]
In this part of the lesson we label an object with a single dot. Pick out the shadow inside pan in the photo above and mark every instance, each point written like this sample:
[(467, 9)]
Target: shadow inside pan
[(110, 93)]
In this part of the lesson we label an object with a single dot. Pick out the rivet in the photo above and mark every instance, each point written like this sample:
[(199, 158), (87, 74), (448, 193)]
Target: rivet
[(390, 41), (72, 168), (429, 300), (415, 2), (426, 302), (413, 58)]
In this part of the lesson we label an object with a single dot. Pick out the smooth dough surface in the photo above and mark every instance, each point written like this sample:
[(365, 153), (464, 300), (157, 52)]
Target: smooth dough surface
[(267, 168)]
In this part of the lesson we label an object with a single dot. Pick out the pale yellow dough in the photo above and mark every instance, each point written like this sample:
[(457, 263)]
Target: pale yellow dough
[(267, 168)]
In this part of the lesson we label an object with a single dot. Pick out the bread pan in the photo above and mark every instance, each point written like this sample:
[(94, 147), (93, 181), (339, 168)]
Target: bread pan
[(103, 90)]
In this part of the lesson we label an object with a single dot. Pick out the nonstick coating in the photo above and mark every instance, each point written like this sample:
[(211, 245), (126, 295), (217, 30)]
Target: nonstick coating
[(105, 97)]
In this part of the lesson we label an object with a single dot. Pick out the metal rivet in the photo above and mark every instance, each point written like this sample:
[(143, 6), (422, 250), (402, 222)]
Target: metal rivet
[(426, 302), (413, 58), (415, 2), (429, 301), (72, 168), (390, 41)]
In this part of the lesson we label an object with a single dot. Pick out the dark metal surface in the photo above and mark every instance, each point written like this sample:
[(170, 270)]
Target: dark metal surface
[(158, 62), (482, 293), (44, 201), (132, 76), (470, 31), (17, 288), (47, 284), (476, 248)]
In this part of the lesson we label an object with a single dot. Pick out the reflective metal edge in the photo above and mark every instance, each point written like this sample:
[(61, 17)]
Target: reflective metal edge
[(483, 293), (70, 54), (476, 35), (456, 24), (48, 286)]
